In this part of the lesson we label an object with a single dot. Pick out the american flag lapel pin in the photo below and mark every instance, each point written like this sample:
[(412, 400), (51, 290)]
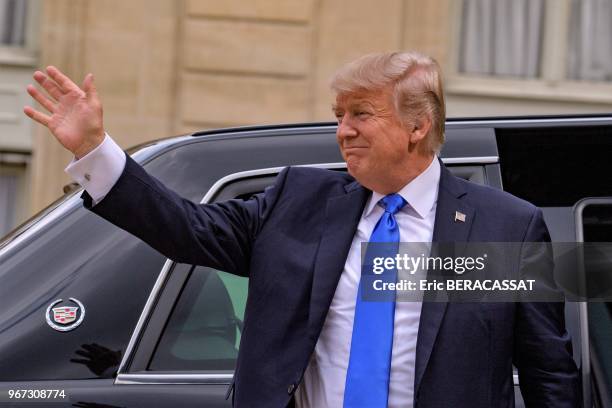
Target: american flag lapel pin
[(459, 216)]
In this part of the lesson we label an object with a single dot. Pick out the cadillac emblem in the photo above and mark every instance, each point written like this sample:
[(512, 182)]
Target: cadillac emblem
[(65, 317)]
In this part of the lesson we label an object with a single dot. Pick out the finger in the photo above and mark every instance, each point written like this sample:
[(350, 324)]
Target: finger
[(65, 84), (40, 98), (48, 84), (88, 86), (37, 116)]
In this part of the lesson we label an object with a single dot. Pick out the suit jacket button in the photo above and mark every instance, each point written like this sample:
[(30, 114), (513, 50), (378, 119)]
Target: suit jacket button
[(290, 389)]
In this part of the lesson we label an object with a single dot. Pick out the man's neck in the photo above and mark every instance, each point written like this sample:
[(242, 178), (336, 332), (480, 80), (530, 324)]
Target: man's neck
[(392, 183)]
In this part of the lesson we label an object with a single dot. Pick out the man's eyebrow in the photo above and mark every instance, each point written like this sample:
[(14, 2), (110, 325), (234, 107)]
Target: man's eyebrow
[(360, 103), (356, 102)]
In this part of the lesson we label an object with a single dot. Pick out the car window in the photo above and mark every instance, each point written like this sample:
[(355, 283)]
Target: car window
[(556, 167), (597, 227), (203, 332)]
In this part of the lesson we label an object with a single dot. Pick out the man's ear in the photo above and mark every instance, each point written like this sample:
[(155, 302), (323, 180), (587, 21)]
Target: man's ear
[(420, 129)]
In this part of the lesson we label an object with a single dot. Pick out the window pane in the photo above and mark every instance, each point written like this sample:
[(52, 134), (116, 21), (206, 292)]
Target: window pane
[(502, 37), (203, 332), (597, 227), (12, 22), (8, 191), (590, 40), (556, 167)]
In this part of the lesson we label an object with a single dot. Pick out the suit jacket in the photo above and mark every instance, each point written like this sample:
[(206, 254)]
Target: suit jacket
[(292, 242)]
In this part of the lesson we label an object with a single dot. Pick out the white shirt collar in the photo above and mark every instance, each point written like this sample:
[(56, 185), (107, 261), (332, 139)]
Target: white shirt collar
[(421, 193)]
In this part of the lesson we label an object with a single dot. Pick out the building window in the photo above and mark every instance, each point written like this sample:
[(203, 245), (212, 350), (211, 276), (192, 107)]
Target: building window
[(516, 39), (589, 54), (18, 32), (558, 50), (8, 190), (13, 22), (501, 38), (12, 184)]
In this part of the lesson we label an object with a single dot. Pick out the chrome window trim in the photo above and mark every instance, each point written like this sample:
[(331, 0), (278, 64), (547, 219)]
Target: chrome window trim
[(145, 378), (471, 160), (148, 307), (131, 379)]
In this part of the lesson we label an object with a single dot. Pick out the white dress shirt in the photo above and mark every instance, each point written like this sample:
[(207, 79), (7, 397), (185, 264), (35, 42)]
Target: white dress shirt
[(324, 379)]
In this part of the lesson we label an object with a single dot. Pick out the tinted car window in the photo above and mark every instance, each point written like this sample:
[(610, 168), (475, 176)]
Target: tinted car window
[(556, 167), (203, 331), (597, 227)]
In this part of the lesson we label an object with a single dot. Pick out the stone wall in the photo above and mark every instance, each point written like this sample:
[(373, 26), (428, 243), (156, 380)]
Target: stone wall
[(166, 67)]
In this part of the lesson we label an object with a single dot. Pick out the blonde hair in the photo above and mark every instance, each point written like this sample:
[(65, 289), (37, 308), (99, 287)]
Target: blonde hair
[(415, 80)]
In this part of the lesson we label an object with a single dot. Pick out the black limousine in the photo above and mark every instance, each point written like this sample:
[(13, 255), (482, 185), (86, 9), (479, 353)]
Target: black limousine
[(96, 318)]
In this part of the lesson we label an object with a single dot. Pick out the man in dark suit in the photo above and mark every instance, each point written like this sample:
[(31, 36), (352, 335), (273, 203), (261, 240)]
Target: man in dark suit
[(309, 339)]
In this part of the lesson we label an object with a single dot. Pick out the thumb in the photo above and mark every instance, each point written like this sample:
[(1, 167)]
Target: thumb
[(88, 85)]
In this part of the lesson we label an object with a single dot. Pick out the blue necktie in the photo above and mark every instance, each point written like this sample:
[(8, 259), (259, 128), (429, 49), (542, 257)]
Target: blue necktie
[(367, 377)]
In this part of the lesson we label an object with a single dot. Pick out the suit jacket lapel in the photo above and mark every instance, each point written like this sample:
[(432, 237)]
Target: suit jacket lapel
[(446, 229), (342, 216)]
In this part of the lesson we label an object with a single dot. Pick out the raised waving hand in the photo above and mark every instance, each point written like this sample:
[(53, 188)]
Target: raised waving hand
[(74, 113)]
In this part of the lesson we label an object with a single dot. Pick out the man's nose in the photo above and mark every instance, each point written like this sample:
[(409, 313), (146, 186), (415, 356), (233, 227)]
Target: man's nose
[(345, 128)]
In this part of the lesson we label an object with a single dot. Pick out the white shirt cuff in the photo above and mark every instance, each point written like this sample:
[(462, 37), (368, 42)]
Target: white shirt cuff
[(98, 170)]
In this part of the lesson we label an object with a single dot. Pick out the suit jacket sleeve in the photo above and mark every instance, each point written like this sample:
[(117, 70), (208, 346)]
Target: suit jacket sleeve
[(542, 347), (217, 235)]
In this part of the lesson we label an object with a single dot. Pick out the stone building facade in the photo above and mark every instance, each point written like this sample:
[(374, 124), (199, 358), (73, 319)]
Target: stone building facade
[(165, 67)]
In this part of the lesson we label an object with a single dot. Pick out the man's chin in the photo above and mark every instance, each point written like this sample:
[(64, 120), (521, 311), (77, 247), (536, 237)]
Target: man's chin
[(352, 167)]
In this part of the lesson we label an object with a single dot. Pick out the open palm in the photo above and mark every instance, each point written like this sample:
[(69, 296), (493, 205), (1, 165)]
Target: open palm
[(75, 114)]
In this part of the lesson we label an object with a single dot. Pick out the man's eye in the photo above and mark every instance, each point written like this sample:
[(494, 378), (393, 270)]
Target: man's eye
[(362, 114)]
